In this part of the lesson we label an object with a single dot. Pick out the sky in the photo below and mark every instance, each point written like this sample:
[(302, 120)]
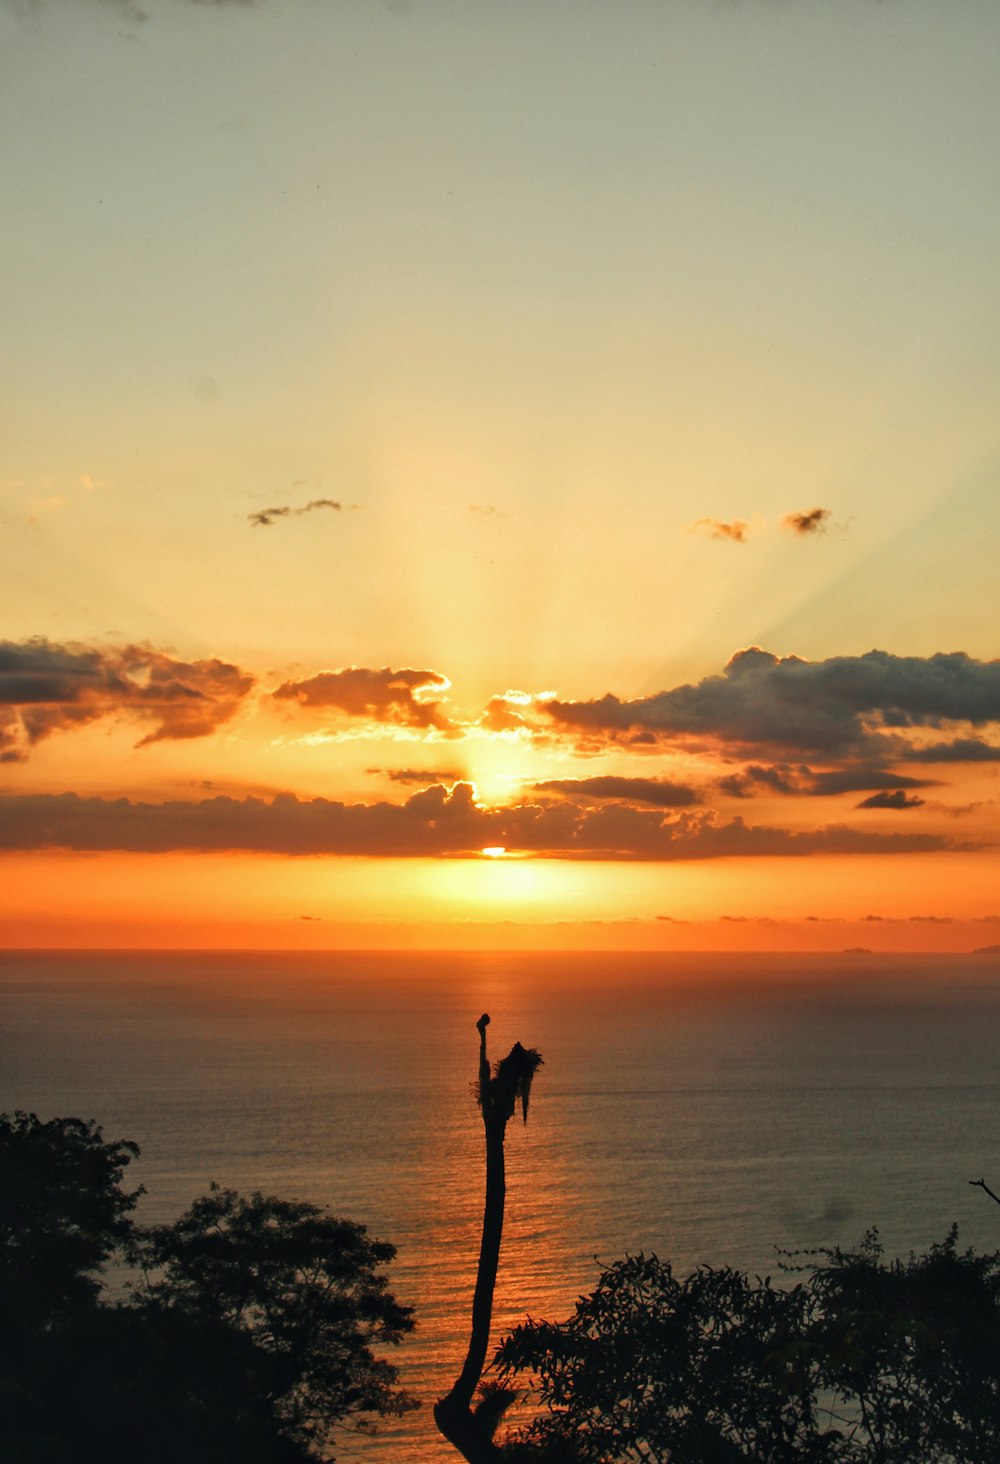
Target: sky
[(486, 473)]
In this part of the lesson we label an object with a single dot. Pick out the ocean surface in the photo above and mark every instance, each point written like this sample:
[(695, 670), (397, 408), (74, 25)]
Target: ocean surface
[(708, 1108)]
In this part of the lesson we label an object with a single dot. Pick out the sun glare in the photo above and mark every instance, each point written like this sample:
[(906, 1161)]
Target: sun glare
[(495, 851)]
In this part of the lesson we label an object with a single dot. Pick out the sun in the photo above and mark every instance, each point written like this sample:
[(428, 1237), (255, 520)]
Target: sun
[(495, 851)]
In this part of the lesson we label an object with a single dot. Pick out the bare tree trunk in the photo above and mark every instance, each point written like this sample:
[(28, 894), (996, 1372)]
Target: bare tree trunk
[(471, 1432)]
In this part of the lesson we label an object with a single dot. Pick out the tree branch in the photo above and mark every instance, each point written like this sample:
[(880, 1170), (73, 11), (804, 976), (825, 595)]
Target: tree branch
[(981, 1184)]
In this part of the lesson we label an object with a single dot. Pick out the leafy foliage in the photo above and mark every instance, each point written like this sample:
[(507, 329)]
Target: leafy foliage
[(911, 1350), (62, 1213), (249, 1338), (654, 1367), (305, 1286), (894, 1363)]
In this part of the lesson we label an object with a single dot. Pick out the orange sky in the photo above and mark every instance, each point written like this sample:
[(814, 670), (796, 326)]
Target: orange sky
[(434, 429)]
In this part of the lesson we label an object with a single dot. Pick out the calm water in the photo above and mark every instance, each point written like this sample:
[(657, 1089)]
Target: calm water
[(708, 1108)]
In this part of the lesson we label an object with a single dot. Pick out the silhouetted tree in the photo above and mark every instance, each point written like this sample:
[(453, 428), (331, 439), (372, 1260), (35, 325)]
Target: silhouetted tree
[(306, 1288), (63, 1214), (864, 1362), (498, 1093), (249, 1338)]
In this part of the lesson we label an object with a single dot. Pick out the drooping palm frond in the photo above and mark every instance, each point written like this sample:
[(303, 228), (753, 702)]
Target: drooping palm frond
[(511, 1081)]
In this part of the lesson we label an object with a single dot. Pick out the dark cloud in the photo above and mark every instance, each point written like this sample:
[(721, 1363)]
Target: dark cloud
[(398, 697), (422, 777), (812, 521), (842, 706), (798, 780), (265, 517), (46, 687), (435, 822), (736, 529), (895, 799), (656, 791), (961, 750)]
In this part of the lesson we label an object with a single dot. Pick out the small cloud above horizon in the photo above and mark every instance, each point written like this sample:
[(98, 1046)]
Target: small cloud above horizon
[(421, 777), (265, 517), (895, 799), (811, 521), (735, 530)]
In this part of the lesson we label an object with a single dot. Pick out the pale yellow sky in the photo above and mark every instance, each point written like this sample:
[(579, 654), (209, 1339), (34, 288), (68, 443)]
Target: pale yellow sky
[(535, 324)]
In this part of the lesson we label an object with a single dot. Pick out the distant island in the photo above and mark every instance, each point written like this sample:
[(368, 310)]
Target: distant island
[(992, 950), (857, 951)]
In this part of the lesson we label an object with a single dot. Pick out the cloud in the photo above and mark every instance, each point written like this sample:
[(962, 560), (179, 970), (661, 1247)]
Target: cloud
[(897, 799), (659, 792), (423, 777), (513, 711), (488, 512), (265, 517), (842, 706), (812, 521), (736, 529), (46, 688), (435, 822), (397, 697), (802, 782), (961, 750)]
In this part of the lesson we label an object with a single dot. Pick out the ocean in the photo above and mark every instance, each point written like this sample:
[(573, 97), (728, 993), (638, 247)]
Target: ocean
[(708, 1108)]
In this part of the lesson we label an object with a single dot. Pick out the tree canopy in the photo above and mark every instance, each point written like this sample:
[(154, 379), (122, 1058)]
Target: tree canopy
[(862, 1360), (247, 1335)]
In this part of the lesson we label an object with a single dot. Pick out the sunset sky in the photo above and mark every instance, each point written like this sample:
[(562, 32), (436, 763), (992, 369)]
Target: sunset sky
[(500, 473)]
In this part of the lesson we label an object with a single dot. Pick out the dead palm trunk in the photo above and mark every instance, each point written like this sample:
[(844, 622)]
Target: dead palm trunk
[(471, 1430)]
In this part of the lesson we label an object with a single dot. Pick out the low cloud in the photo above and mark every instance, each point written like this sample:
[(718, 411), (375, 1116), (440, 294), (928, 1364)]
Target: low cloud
[(659, 792), (47, 687), (736, 530), (265, 517), (846, 706), (812, 521), (435, 822), (801, 781), (961, 750), (421, 777), (403, 698), (896, 799)]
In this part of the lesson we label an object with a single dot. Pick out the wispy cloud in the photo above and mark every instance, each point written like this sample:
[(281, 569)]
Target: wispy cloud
[(801, 781), (659, 792), (265, 517), (419, 777), (811, 521), (737, 530)]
